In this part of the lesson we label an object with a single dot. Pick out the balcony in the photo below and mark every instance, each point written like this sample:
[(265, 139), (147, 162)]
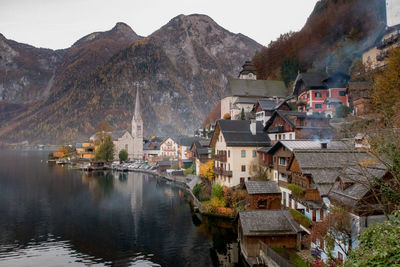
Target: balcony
[(221, 171), (220, 157)]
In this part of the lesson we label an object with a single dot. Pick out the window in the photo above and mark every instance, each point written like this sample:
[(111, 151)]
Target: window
[(280, 137), (243, 153), (229, 166), (318, 105), (290, 136), (282, 177), (126, 147), (254, 153), (318, 94), (229, 153), (327, 93), (243, 168), (276, 137), (342, 93), (282, 161)]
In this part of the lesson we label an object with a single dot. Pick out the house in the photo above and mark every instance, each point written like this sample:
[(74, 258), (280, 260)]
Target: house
[(201, 153), (275, 228), (263, 195), (169, 148), (352, 192), (321, 93), (151, 149), (184, 145), (313, 172), (359, 97), (265, 108), (235, 143), (291, 125), (85, 150), (280, 155)]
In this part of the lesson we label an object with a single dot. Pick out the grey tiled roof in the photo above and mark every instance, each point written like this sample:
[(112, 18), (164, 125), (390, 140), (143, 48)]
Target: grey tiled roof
[(258, 88), (246, 100), (262, 187), (188, 140), (268, 223), (237, 133), (350, 196)]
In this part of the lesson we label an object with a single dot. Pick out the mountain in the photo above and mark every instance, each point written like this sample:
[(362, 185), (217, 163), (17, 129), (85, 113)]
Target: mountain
[(335, 34), (181, 70)]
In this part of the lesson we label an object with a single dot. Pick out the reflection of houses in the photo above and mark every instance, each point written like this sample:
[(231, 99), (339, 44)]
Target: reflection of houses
[(320, 92), (236, 143), (275, 228), (291, 125), (169, 148), (201, 153), (85, 150), (263, 195)]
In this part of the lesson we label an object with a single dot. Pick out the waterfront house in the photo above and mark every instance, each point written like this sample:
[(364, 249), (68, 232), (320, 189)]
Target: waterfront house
[(275, 228), (235, 143), (291, 125), (85, 150), (169, 148), (151, 149), (185, 155), (201, 153), (263, 195), (320, 92)]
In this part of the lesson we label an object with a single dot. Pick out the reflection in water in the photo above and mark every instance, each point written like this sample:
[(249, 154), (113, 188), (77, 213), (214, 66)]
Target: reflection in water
[(52, 215)]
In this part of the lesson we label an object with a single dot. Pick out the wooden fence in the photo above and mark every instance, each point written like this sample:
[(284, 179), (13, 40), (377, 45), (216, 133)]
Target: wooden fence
[(269, 252)]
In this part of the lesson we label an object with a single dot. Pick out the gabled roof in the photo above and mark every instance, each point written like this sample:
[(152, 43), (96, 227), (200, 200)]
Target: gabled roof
[(262, 187), (166, 140), (268, 223), (258, 88), (287, 116), (237, 133), (311, 80), (310, 145), (188, 140)]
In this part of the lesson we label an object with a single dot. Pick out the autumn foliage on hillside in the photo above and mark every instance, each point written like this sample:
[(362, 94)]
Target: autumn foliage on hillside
[(336, 33), (214, 115)]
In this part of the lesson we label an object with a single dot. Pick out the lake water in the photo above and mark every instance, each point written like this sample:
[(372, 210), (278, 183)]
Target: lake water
[(56, 216)]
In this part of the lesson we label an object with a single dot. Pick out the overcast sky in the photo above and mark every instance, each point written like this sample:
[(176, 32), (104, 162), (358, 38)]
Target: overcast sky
[(59, 23)]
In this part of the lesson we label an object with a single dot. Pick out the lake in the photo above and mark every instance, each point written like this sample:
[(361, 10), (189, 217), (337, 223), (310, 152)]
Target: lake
[(57, 216)]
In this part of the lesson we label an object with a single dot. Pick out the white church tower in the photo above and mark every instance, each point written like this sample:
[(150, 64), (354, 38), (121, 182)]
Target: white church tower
[(137, 130)]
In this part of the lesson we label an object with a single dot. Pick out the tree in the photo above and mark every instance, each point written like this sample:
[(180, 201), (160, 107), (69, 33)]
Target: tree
[(105, 150), (123, 155), (336, 229), (103, 126), (289, 69), (227, 116), (207, 170), (379, 245), (258, 171), (242, 115), (342, 111)]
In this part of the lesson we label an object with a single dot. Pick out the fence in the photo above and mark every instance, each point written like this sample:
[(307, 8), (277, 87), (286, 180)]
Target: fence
[(269, 252)]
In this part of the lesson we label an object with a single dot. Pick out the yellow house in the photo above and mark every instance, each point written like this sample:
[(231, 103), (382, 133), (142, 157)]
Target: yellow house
[(235, 144), (85, 150)]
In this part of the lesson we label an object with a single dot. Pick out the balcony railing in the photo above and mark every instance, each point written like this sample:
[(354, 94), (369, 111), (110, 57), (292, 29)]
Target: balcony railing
[(220, 157), (221, 171)]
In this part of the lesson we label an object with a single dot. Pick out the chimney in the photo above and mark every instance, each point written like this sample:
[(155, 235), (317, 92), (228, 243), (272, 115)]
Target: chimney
[(324, 145), (253, 127)]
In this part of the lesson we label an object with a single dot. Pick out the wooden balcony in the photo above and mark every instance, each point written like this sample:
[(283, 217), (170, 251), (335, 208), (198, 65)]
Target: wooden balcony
[(220, 157), (221, 171)]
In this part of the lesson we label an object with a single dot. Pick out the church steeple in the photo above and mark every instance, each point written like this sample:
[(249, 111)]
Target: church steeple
[(137, 129), (137, 114)]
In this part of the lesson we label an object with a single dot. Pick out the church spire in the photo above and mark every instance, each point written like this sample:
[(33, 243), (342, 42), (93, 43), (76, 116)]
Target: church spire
[(137, 114)]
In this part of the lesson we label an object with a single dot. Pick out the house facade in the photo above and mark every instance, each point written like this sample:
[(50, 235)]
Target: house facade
[(263, 195), (169, 148), (201, 153), (265, 108), (235, 143), (291, 125)]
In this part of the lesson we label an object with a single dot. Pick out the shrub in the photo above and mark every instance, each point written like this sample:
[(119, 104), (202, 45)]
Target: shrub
[(175, 167), (296, 190), (217, 191), (300, 218), (342, 111), (188, 171), (123, 155), (197, 190), (217, 202)]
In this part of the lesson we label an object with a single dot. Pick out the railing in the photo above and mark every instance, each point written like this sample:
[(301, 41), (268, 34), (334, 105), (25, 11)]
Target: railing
[(221, 171), (220, 157), (269, 252)]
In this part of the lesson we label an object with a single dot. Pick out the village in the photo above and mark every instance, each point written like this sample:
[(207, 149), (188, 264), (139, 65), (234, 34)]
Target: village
[(273, 162)]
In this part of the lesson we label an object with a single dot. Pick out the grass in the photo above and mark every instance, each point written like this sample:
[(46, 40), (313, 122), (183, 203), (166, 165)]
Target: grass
[(291, 256), (300, 218)]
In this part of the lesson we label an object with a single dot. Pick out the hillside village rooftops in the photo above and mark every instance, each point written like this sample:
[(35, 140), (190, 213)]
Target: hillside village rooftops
[(269, 104), (262, 187), (311, 145), (268, 223), (258, 88), (237, 133)]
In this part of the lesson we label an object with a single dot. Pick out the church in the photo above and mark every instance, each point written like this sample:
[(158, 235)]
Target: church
[(132, 141)]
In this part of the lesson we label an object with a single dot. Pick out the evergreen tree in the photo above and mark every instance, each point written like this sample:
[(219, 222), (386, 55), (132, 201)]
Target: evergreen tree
[(242, 115), (123, 155)]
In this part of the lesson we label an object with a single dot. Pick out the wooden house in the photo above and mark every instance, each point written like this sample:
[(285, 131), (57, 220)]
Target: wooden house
[(263, 195), (275, 228), (265, 108), (201, 152), (290, 125)]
